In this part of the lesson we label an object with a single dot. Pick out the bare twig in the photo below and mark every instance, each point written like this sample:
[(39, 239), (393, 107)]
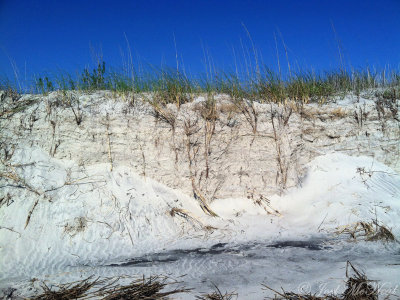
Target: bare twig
[(30, 213)]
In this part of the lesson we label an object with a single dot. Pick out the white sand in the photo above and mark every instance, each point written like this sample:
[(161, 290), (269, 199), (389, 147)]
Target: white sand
[(88, 218)]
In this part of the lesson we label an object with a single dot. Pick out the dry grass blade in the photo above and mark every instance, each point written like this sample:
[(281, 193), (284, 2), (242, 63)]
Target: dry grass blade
[(28, 218), (164, 114), (295, 296), (203, 202), (190, 129), (186, 215), (12, 175), (382, 233), (109, 142), (140, 290), (369, 231), (358, 286), (217, 295), (248, 110), (110, 289), (67, 291)]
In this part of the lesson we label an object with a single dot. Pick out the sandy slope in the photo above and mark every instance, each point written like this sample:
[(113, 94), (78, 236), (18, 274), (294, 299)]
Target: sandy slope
[(230, 162), (88, 219)]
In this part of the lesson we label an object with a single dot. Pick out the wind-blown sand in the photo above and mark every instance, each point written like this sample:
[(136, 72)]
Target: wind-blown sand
[(115, 196)]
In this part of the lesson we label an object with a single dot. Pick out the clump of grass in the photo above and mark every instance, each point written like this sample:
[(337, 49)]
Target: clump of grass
[(9, 96), (387, 102), (9, 89), (68, 291), (217, 295), (44, 85), (263, 85), (110, 289), (172, 87), (162, 113), (10, 101), (270, 87), (368, 231), (358, 287), (95, 80), (150, 288)]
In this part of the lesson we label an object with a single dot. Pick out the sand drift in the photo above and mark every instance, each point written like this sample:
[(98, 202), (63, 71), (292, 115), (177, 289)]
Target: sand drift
[(64, 219)]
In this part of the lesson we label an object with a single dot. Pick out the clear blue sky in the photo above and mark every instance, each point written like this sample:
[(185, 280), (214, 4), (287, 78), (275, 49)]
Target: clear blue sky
[(45, 35)]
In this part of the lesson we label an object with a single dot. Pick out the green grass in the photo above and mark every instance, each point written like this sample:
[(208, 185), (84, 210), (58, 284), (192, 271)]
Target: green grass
[(262, 84)]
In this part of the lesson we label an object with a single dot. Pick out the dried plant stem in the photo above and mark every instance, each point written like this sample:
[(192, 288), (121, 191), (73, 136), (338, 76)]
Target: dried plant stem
[(250, 113), (196, 192), (109, 143), (209, 131), (143, 159), (282, 169), (30, 213)]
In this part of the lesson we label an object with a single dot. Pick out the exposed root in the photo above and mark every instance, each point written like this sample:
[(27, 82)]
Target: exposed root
[(10, 229), (109, 143), (15, 106), (189, 130), (203, 202), (263, 202), (283, 164), (28, 218), (164, 114), (21, 183), (78, 112), (187, 216), (12, 175), (248, 109), (7, 200), (210, 116)]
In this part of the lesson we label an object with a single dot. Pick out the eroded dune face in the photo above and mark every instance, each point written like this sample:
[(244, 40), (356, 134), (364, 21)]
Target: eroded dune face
[(229, 150), (194, 188)]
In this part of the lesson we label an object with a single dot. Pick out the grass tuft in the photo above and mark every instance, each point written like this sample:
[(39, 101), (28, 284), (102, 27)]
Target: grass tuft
[(217, 295), (368, 231), (358, 287), (263, 85), (110, 289)]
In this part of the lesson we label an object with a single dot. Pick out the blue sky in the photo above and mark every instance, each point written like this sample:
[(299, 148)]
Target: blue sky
[(46, 35)]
